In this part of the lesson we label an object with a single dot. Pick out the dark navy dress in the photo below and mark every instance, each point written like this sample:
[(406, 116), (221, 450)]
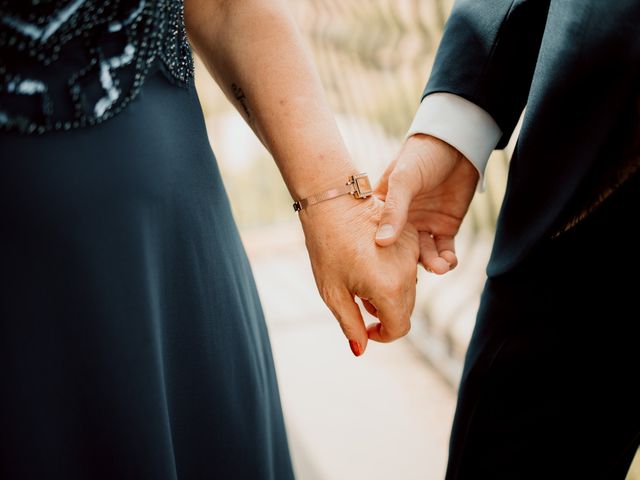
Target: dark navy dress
[(132, 341)]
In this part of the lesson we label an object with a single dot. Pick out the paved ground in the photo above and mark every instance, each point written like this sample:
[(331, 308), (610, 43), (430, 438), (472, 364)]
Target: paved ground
[(380, 417), (383, 416)]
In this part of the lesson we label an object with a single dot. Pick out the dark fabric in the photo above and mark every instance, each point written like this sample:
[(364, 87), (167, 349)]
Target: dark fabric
[(132, 341), (488, 55), (576, 65), (550, 385)]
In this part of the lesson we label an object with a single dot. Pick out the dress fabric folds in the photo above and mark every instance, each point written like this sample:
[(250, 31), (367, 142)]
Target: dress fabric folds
[(132, 340)]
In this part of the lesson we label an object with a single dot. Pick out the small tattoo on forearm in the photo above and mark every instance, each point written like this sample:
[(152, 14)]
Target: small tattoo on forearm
[(240, 97)]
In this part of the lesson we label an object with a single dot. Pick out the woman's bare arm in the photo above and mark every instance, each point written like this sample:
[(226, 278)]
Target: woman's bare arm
[(254, 51)]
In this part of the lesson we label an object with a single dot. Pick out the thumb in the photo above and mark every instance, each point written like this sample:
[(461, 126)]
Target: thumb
[(395, 210), (383, 183)]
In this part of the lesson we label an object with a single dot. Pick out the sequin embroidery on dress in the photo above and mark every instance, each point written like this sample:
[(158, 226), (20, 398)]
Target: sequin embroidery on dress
[(71, 63)]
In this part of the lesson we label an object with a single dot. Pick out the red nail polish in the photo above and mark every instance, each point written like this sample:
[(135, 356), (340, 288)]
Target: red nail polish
[(355, 348)]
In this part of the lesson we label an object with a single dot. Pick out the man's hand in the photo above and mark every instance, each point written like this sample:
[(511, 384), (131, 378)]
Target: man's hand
[(347, 263), (430, 185)]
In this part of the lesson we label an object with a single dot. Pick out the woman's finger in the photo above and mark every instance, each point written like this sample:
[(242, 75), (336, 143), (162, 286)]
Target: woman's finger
[(348, 314), (394, 310)]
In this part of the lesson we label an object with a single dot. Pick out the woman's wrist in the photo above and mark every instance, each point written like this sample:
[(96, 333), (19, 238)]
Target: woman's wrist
[(313, 182), (348, 190), (340, 215), (356, 185)]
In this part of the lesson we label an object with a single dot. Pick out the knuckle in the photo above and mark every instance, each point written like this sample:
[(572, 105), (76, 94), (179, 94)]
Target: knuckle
[(405, 329), (399, 331), (327, 293), (401, 328), (389, 336), (330, 300)]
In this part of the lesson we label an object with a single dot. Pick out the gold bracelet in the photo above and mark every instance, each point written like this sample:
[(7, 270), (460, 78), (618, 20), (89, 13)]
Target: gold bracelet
[(357, 185)]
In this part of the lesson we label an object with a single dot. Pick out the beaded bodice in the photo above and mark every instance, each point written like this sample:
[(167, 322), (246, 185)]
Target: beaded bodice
[(71, 63)]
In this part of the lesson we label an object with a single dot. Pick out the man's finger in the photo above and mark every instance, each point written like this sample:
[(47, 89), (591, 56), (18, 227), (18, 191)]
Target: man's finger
[(348, 314), (429, 257), (445, 245)]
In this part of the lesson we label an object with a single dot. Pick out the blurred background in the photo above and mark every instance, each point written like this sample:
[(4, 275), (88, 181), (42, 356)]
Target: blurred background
[(385, 415)]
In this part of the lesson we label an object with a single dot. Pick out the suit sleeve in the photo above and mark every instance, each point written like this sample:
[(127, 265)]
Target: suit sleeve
[(488, 54)]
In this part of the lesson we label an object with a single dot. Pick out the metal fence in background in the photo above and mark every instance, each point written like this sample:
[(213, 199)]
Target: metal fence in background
[(374, 58)]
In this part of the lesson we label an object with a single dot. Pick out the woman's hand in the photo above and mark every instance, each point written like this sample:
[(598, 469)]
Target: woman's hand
[(340, 238), (254, 51)]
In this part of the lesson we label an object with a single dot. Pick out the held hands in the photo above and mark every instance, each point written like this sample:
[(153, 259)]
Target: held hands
[(414, 217), (430, 184), (347, 264)]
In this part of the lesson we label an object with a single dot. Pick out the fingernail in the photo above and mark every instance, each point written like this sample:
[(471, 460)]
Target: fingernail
[(385, 231), (355, 348)]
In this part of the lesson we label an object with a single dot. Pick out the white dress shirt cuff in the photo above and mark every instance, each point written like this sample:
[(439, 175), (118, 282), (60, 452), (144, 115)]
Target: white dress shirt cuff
[(460, 123)]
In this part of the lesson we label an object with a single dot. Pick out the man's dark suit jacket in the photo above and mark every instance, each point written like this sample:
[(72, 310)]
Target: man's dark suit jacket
[(576, 66)]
